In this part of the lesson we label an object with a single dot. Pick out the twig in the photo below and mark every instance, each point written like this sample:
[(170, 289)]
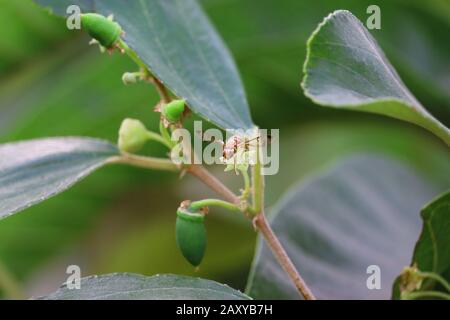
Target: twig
[(261, 223), (257, 185), (247, 187), (211, 181), (277, 249), (159, 138), (165, 164), (132, 54), (144, 162), (214, 202), (162, 91)]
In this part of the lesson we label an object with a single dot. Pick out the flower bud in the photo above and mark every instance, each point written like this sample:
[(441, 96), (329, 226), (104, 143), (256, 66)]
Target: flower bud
[(132, 135), (102, 29), (129, 78), (173, 110)]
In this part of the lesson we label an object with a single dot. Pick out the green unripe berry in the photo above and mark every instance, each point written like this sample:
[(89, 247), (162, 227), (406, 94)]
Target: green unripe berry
[(191, 235), (132, 135), (102, 29), (173, 110)]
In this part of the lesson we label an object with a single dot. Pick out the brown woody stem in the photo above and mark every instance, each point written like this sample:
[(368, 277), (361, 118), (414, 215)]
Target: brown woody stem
[(277, 249), (162, 91), (211, 181)]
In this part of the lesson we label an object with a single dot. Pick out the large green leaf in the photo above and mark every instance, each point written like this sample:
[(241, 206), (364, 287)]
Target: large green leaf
[(345, 68), (33, 171), (129, 286), (53, 106), (363, 212), (190, 58), (432, 251), (268, 55)]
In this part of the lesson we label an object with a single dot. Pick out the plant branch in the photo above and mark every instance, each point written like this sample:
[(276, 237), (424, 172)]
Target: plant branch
[(133, 55), (165, 164), (163, 93), (257, 184), (211, 181), (275, 245), (165, 134), (144, 162), (159, 138), (260, 221), (162, 90), (246, 190), (214, 202)]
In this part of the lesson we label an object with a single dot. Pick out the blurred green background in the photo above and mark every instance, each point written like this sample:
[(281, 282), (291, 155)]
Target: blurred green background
[(52, 83)]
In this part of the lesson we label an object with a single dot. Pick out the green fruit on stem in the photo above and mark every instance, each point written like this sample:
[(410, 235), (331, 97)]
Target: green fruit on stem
[(191, 235), (173, 110), (102, 29), (132, 135)]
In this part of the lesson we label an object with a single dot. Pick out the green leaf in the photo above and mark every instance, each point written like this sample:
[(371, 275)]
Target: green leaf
[(345, 68), (33, 171), (129, 286), (53, 106), (189, 58), (362, 212), (432, 251), (268, 58)]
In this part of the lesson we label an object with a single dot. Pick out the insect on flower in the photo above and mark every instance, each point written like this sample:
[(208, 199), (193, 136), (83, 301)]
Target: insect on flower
[(236, 151)]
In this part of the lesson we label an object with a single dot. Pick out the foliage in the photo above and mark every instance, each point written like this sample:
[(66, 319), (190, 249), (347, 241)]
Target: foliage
[(344, 68)]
